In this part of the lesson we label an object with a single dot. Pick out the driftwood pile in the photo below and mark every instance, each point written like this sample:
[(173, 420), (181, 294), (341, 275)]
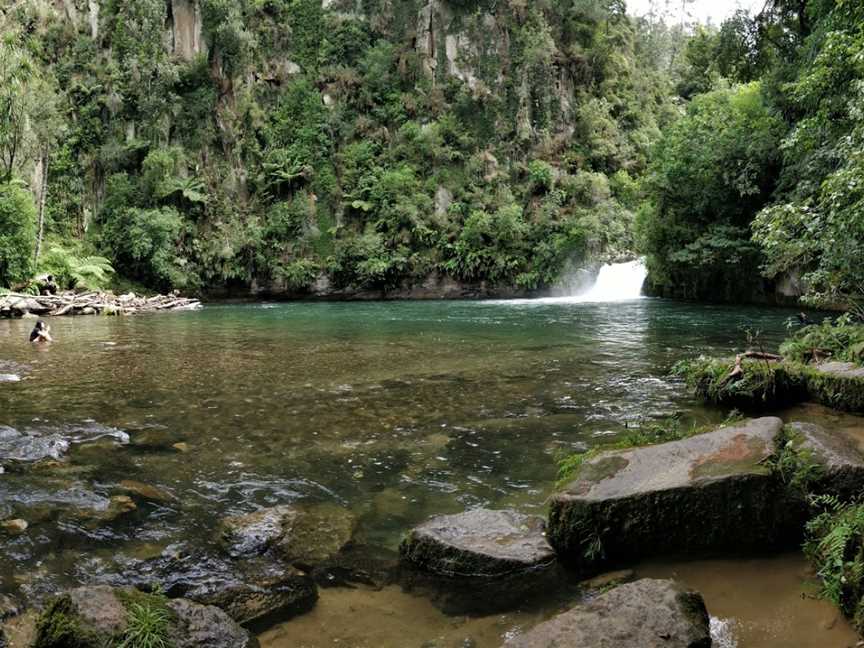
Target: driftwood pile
[(89, 303)]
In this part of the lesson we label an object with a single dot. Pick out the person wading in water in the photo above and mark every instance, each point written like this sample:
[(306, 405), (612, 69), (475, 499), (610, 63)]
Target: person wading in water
[(40, 333)]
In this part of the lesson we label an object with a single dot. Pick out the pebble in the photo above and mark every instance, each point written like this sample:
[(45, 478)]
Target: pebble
[(14, 527)]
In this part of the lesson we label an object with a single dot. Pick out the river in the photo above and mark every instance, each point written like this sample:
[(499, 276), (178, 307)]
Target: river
[(396, 410)]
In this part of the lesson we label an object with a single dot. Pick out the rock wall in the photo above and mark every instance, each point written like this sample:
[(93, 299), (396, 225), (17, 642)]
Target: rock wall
[(187, 29)]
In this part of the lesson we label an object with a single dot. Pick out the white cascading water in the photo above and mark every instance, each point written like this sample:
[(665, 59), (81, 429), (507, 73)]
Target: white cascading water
[(616, 282)]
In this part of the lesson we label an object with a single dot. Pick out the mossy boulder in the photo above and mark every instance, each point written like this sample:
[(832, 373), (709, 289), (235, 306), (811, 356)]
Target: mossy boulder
[(645, 614), (761, 385), (836, 384), (94, 617), (711, 492)]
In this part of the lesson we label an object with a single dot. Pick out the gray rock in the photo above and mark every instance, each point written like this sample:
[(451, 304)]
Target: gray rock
[(205, 626), (840, 461), (841, 369), (713, 491), (18, 446), (645, 614), (479, 543), (301, 535)]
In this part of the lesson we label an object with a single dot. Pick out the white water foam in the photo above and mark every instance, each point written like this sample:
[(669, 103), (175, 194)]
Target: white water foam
[(722, 633), (615, 282)]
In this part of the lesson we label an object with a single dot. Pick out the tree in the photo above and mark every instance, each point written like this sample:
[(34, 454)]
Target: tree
[(17, 233), (712, 172)]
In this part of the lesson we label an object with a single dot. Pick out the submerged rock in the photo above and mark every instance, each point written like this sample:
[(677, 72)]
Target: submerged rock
[(300, 535), (479, 543), (645, 614), (248, 590), (713, 491), (146, 492), (33, 445), (96, 616)]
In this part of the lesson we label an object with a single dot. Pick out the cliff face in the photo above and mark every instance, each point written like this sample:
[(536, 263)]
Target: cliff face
[(361, 144)]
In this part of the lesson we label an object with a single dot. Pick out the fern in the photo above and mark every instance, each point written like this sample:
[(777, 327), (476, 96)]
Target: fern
[(72, 270)]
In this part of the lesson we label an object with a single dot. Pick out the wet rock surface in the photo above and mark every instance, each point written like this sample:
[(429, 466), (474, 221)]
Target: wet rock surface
[(645, 614), (248, 590), (839, 462), (713, 491), (479, 543), (38, 444), (306, 535)]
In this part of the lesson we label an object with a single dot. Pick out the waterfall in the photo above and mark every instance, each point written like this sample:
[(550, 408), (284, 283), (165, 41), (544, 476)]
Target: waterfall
[(616, 282)]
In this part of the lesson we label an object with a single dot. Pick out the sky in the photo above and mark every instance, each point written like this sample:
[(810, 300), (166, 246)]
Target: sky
[(699, 10)]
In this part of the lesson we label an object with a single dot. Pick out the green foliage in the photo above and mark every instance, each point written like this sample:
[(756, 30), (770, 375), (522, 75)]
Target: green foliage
[(149, 624), (57, 627), (72, 270), (17, 233), (795, 465), (835, 544), (712, 172), (839, 340)]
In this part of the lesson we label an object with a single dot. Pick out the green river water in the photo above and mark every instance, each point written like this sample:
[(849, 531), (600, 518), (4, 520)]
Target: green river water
[(396, 410)]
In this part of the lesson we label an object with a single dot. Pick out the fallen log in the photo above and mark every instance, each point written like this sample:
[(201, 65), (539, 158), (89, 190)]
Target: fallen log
[(91, 302)]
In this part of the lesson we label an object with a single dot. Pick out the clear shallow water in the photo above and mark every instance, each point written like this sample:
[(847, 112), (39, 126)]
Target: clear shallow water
[(396, 410)]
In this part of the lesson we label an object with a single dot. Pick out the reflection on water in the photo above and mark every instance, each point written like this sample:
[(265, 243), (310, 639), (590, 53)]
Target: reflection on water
[(398, 411)]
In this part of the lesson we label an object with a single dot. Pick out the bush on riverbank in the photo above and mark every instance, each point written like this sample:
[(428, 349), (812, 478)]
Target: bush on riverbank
[(841, 340)]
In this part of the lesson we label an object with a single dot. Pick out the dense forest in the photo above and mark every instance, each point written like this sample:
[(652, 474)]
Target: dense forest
[(298, 145)]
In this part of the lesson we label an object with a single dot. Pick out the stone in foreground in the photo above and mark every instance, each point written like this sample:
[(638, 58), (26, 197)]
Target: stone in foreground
[(839, 461), (713, 491), (645, 614), (92, 617), (479, 543)]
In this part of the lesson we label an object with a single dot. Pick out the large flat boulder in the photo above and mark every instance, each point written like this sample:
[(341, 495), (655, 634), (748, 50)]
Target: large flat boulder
[(713, 491), (838, 462), (645, 614), (479, 543)]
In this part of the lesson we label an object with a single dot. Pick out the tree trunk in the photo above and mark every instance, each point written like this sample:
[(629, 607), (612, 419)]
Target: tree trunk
[(43, 193)]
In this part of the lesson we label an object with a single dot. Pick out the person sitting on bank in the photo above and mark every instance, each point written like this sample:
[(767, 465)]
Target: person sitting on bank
[(40, 333)]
